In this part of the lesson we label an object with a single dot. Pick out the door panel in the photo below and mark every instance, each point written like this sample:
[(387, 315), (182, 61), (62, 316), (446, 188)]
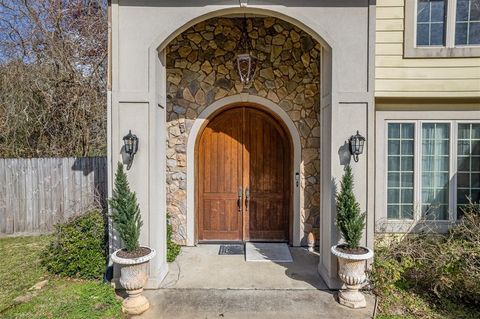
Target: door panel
[(243, 148), (268, 177), (219, 177)]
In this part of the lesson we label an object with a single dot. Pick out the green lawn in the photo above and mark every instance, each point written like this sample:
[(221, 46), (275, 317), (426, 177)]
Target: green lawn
[(60, 298)]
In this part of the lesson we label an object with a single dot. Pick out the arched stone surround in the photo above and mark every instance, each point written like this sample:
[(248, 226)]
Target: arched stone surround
[(200, 72)]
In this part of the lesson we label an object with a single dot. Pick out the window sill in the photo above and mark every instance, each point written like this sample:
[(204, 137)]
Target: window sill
[(411, 226), (441, 52)]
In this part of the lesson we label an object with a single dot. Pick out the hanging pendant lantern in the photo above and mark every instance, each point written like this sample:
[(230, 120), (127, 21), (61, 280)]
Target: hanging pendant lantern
[(246, 62)]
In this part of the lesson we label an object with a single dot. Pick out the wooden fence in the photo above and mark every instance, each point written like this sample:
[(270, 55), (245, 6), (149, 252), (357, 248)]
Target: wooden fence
[(39, 192)]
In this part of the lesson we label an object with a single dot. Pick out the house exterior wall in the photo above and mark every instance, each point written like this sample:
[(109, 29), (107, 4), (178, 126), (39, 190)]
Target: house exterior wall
[(141, 30), (416, 86), (397, 76)]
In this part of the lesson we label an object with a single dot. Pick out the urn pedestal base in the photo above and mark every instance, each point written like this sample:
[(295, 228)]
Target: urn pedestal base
[(352, 298), (135, 303)]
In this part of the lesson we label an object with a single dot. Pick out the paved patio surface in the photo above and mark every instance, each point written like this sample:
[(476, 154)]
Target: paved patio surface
[(201, 267), (201, 284)]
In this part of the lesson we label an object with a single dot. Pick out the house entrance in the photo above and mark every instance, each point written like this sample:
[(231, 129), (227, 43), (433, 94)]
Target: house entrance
[(244, 177)]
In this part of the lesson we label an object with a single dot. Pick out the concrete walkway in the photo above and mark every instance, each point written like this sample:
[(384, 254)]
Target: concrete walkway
[(201, 284), (201, 267), (249, 304)]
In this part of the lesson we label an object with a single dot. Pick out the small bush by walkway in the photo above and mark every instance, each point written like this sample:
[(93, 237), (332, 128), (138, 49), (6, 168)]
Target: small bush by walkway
[(78, 247)]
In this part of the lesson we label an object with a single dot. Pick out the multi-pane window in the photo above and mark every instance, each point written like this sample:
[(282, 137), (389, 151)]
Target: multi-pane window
[(431, 15), (435, 170), (468, 165), (420, 158), (467, 22), (400, 170)]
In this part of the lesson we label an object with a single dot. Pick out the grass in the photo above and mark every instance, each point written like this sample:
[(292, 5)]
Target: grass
[(60, 298), (20, 267)]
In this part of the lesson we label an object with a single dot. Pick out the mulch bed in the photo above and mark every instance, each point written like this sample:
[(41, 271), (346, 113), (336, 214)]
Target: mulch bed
[(140, 252), (355, 251)]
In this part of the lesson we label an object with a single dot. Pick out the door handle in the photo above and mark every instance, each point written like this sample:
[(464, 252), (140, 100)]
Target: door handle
[(239, 199), (247, 198)]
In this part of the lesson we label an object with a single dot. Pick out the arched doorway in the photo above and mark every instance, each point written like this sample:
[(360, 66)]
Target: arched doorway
[(244, 171)]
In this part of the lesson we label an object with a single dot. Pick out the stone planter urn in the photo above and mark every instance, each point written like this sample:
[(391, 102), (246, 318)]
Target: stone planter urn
[(351, 270), (133, 277)]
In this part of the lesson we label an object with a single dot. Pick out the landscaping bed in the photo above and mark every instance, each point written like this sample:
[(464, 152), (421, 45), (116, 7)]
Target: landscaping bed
[(428, 275)]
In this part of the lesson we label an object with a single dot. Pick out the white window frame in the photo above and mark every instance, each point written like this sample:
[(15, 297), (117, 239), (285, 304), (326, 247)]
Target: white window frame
[(456, 155), (415, 217), (383, 224), (411, 50)]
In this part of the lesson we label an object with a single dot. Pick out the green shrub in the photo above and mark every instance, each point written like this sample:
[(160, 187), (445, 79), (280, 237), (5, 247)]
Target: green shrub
[(125, 211), (349, 219), (78, 247), (173, 249)]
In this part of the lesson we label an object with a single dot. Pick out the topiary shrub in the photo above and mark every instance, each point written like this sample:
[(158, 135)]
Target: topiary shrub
[(350, 221), (173, 249), (78, 247), (125, 211)]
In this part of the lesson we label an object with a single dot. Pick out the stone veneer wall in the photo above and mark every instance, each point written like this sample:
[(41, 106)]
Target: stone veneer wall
[(200, 70)]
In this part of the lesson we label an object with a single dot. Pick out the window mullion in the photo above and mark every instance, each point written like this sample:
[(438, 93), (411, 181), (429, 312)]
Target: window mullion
[(452, 207), (417, 174), (450, 28), (468, 23)]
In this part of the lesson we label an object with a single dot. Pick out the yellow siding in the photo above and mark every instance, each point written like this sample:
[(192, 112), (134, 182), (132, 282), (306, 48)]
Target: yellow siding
[(421, 77)]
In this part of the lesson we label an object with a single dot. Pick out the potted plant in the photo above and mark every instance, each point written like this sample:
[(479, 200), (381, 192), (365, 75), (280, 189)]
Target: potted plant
[(133, 258), (351, 256)]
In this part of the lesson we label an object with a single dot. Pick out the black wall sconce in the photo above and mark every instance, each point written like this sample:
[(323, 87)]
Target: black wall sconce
[(357, 142), (130, 142)]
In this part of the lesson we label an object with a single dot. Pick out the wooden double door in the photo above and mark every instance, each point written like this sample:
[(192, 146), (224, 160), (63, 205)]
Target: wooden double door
[(243, 178)]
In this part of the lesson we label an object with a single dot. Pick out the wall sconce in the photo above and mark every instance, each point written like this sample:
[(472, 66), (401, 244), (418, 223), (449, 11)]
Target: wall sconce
[(130, 142), (357, 142)]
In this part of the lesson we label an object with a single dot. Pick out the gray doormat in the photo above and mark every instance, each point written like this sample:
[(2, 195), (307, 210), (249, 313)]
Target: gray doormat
[(232, 249), (265, 252)]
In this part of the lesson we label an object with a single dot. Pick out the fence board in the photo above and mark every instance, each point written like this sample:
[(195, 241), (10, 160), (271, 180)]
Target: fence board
[(39, 192), (3, 204)]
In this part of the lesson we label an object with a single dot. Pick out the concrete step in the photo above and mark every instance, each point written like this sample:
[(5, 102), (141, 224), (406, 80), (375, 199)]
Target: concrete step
[(249, 304)]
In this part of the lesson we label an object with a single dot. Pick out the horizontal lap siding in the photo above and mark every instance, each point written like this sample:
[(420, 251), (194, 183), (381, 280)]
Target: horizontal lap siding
[(399, 77)]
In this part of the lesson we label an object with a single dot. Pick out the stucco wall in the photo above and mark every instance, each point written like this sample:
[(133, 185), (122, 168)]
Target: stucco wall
[(200, 71)]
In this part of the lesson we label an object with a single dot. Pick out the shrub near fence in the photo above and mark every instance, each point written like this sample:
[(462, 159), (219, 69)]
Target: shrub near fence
[(36, 193)]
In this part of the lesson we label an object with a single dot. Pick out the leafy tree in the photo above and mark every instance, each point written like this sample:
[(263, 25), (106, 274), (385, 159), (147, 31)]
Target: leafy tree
[(350, 220), (125, 211)]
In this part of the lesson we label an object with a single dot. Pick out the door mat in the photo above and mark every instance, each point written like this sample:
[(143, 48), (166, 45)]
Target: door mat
[(232, 249), (264, 252)]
